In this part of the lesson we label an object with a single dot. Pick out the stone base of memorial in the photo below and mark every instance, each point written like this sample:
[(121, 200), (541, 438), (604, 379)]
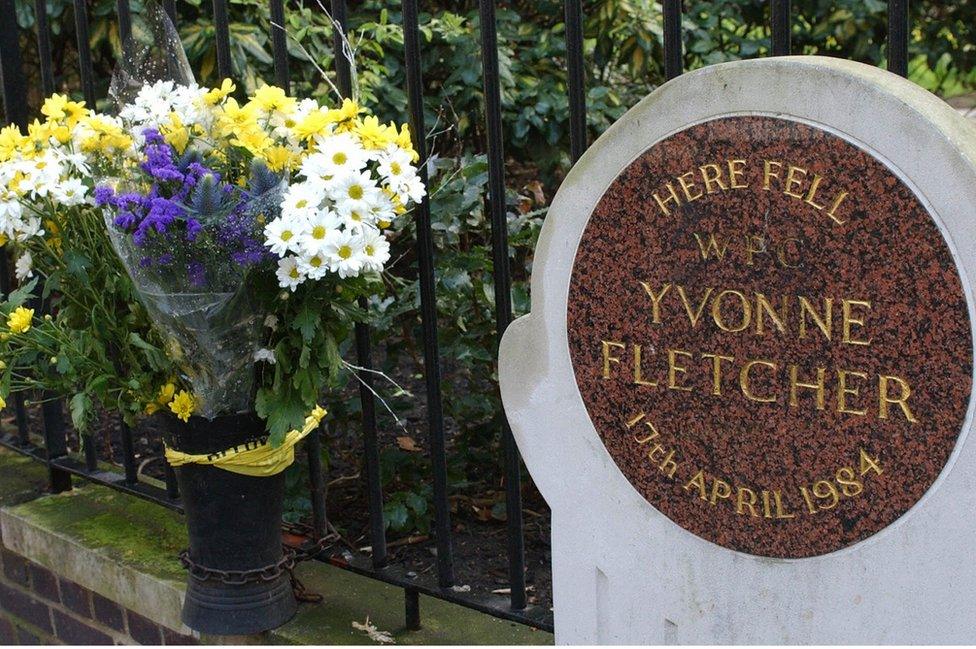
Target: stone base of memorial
[(745, 384), (239, 581)]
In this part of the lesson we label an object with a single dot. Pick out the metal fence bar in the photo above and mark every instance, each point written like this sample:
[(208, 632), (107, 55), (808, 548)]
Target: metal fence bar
[(411, 607), (84, 53), (222, 33), (503, 289), (90, 450), (898, 37), (343, 72), (428, 301), (364, 353), (55, 442), (673, 49), (576, 83), (44, 47), (125, 21), (279, 44), (128, 453), (781, 33), (11, 72)]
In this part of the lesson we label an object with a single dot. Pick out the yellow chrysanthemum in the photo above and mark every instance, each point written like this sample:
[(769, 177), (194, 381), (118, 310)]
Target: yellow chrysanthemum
[(277, 157), (374, 135), (11, 141), (315, 123), (405, 142), (3, 403), (215, 95), (254, 140), (20, 320), (58, 108), (232, 117), (183, 405), (347, 111), (166, 394), (273, 99), (175, 134)]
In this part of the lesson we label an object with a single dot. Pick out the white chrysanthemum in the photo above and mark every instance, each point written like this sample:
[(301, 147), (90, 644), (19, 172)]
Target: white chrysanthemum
[(394, 165), (27, 228), (410, 189), (39, 174), (70, 191), (355, 191), (382, 210), (76, 162), (357, 220), (24, 267), (283, 235), (345, 253), (289, 274), (10, 211), (302, 200), (336, 155), (314, 265), (265, 355), (322, 226), (376, 250)]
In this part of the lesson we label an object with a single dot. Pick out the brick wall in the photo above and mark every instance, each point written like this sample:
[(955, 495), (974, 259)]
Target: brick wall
[(39, 607)]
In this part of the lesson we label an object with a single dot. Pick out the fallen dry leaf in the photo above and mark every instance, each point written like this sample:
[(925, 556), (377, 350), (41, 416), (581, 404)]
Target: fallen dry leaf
[(374, 634), (408, 444)]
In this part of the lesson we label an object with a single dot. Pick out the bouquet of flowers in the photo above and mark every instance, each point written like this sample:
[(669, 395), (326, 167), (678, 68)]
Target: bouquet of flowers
[(249, 229), (230, 215)]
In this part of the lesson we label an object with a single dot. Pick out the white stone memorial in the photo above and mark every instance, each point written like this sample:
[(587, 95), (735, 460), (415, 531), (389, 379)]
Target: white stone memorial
[(744, 387)]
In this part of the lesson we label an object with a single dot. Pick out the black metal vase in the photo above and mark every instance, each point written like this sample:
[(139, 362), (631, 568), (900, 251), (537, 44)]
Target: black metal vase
[(236, 585)]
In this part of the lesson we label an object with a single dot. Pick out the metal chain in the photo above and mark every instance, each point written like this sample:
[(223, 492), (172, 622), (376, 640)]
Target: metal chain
[(290, 557)]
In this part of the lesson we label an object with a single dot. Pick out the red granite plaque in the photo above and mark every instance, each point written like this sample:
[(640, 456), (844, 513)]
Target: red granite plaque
[(770, 336)]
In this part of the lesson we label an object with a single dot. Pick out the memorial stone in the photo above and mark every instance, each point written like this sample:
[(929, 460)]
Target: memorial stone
[(745, 384)]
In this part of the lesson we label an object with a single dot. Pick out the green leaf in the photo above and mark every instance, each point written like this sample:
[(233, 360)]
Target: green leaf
[(137, 341), (306, 321), (396, 515), (80, 407), (21, 295), (417, 503), (280, 412)]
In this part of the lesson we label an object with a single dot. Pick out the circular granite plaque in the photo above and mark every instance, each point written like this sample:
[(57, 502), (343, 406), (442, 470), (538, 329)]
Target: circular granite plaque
[(770, 335)]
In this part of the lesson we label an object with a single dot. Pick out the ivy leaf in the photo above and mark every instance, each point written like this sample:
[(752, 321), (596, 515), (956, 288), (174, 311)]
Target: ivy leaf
[(396, 516), (417, 503)]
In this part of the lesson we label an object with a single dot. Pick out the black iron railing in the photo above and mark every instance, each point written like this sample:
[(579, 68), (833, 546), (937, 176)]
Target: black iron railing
[(54, 451)]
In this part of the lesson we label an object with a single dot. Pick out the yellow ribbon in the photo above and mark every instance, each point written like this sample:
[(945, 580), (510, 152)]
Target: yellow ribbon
[(260, 460)]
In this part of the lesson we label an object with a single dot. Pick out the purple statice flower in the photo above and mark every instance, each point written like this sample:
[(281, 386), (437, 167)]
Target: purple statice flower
[(125, 221), (104, 196), (193, 229), (159, 163)]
